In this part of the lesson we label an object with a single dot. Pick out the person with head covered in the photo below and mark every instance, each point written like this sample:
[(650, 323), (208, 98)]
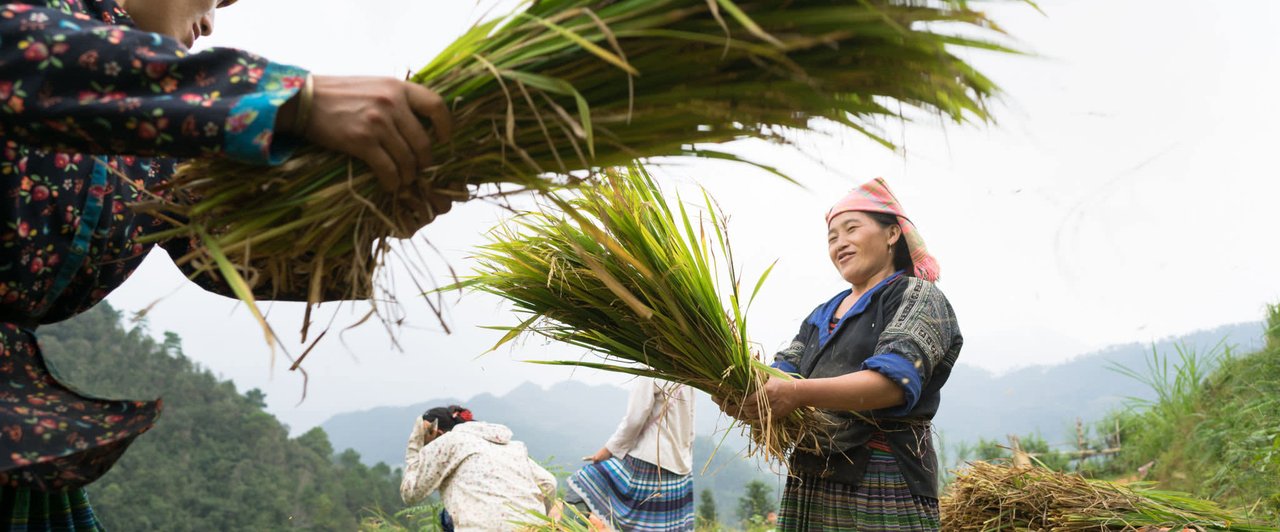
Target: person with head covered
[(874, 358), (486, 479)]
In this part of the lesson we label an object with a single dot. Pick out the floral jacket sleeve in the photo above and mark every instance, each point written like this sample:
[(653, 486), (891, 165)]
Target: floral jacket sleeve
[(88, 81)]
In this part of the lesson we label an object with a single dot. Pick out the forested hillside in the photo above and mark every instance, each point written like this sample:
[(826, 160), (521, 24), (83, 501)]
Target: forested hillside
[(216, 460)]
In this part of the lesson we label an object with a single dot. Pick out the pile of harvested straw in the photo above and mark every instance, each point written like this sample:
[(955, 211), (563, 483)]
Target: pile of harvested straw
[(990, 497), (567, 86), (649, 289)]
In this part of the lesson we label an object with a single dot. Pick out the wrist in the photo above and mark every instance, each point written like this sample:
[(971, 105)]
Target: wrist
[(794, 391), (302, 111)]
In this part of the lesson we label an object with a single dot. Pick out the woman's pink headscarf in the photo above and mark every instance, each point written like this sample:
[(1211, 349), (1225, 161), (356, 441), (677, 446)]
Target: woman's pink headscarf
[(875, 196)]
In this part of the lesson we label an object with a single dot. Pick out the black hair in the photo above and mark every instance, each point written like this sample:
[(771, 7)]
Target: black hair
[(446, 417), (901, 252)]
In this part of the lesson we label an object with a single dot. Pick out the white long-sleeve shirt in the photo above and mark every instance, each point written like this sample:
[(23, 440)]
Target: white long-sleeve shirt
[(658, 426), (486, 479)]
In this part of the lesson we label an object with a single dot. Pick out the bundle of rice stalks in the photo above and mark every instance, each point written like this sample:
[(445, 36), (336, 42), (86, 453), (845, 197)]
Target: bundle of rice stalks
[(568, 86), (617, 271), (991, 497)]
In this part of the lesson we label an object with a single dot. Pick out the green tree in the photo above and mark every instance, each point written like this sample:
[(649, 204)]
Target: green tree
[(256, 397), (1033, 444), (756, 502), (989, 450), (707, 517), (317, 441), (1038, 447)]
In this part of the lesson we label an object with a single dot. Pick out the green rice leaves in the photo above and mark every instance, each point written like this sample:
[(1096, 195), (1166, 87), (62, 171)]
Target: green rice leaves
[(650, 289)]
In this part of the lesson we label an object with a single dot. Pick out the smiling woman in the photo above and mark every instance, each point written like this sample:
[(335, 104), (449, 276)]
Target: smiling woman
[(874, 357), (96, 99)]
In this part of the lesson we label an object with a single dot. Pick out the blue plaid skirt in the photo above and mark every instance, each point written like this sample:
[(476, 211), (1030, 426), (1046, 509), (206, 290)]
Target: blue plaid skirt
[(631, 494), (881, 503)]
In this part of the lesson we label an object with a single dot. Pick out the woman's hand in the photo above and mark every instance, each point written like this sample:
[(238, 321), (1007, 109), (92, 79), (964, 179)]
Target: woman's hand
[(783, 396), (779, 397), (600, 456), (379, 121), (430, 432)]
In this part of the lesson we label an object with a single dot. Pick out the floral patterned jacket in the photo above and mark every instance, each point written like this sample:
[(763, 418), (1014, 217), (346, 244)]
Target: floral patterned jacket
[(93, 111)]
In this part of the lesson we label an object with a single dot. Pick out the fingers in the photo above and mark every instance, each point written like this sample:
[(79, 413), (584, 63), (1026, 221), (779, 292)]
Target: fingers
[(723, 405), (421, 202), (749, 409), (738, 410), (440, 200), (383, 166), (406, 163), (417, 207), (380, 121), (753, 407), (431, 106), (408, 142), (727, 406), (413, 133)]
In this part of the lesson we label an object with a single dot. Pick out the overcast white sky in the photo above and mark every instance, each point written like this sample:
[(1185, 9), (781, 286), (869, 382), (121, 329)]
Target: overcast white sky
[(1125, 195)]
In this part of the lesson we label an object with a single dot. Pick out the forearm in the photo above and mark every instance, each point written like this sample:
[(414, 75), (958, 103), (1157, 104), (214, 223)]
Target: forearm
[(858, 391), (425, 471), (414, 445), (414, 486)]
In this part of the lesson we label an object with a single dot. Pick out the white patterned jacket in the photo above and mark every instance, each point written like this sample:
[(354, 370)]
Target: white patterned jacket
[(486, 479)]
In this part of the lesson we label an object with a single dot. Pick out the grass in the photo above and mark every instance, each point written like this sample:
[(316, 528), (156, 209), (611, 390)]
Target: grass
[(1215, 434), (1177, 382), (421, 518)]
